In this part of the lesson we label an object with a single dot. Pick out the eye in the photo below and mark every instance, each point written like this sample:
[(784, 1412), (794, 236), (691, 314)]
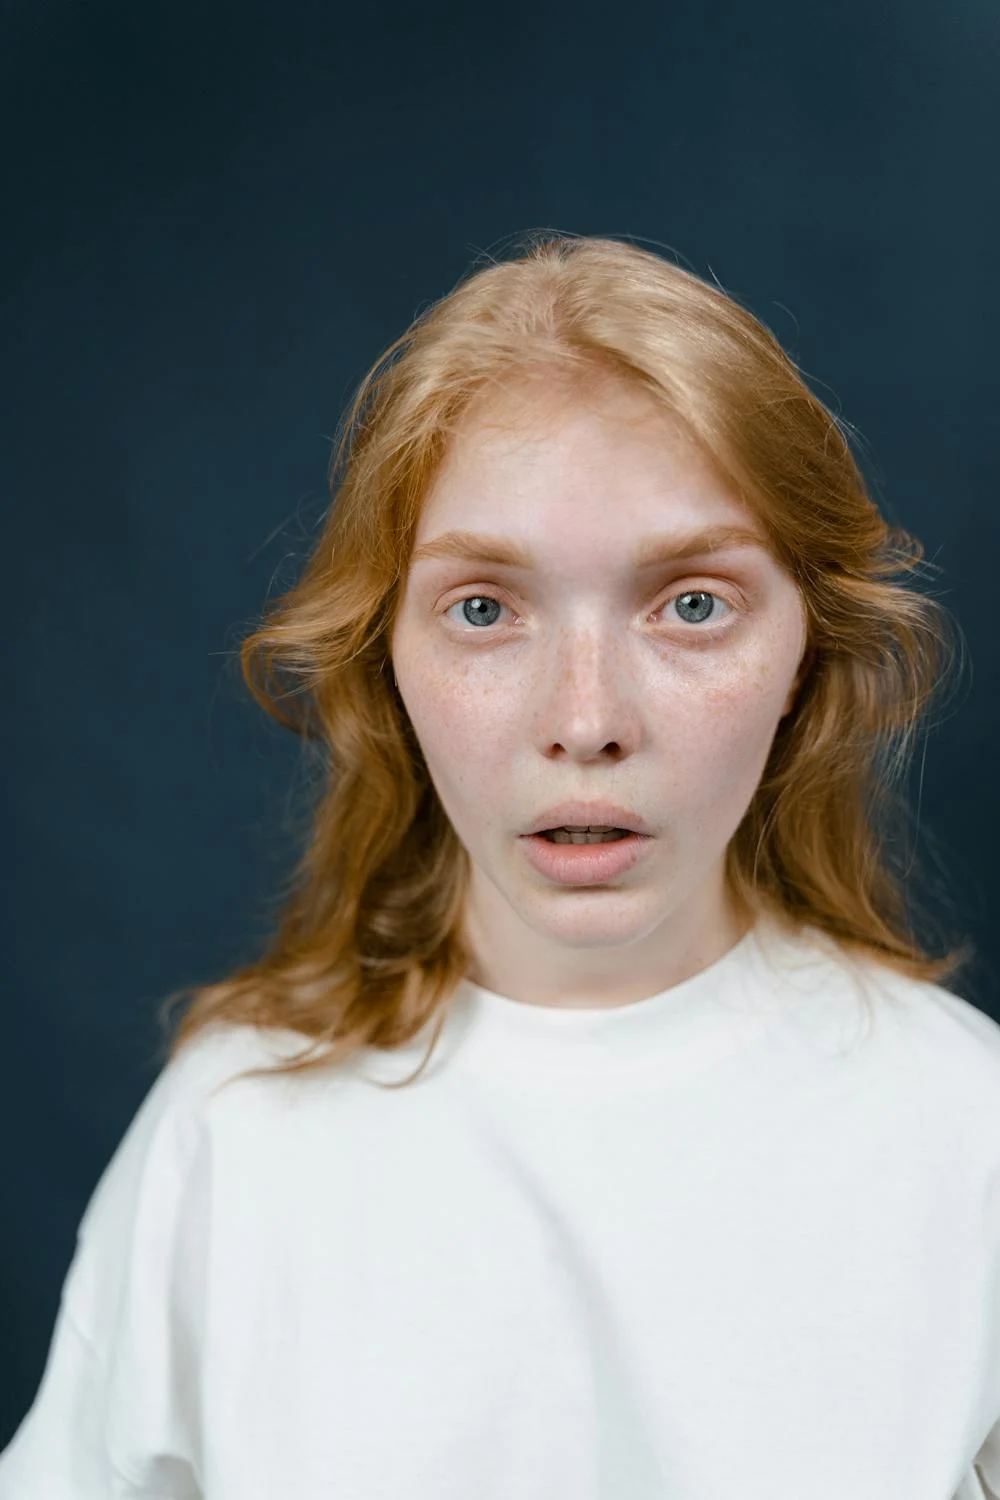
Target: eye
[(698, 603), (697, 606), (482, 608)]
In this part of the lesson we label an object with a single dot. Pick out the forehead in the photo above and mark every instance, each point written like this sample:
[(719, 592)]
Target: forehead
[(541, 449)]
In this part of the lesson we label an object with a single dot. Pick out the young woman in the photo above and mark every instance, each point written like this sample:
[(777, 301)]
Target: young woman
[(531, 1163)]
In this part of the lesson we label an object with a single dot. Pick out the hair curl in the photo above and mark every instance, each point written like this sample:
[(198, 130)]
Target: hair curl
[(369, 947)]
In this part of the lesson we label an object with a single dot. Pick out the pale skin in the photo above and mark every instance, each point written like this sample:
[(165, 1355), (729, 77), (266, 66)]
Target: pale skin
[(588, 681)]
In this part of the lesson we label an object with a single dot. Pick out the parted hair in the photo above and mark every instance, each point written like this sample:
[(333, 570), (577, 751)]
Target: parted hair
[(368, 946)]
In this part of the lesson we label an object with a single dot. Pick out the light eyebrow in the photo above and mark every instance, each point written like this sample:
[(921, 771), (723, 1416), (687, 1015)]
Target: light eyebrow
[(494, 551)]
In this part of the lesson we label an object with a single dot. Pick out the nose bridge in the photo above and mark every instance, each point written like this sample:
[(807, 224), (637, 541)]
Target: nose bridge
[(589, 653)]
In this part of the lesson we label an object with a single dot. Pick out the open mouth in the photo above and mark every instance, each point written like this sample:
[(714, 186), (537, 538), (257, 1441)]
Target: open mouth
[(584, 836)]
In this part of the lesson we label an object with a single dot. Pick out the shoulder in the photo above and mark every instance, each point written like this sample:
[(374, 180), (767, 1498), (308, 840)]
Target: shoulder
[(152, 1201), (909, 1032), (940, 1020), (168, 1131), (938, 1038), (218, 1055)]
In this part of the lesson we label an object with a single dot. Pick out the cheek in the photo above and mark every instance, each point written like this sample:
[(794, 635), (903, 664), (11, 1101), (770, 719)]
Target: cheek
[(460, 735), (716, 740), (465, 749)]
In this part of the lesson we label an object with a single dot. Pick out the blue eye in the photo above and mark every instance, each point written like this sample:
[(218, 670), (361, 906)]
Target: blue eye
[(701, 610), (482, 607)]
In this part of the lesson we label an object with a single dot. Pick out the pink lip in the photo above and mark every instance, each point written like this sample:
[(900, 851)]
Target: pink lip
[(584, 864)]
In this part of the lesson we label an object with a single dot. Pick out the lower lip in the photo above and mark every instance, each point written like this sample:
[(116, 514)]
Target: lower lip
[(584, 864)]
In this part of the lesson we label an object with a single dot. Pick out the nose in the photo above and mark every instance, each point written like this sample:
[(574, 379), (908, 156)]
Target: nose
[(588, 703)]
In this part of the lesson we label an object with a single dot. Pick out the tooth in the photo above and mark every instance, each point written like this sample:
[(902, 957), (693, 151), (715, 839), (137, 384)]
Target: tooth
[(588, 828)]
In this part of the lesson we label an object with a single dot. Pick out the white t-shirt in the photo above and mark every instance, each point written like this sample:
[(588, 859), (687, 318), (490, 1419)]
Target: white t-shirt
[(719, 1243)]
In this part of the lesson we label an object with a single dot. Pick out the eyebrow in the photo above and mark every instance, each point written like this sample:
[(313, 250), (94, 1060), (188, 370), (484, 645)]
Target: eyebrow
[(495, 551)]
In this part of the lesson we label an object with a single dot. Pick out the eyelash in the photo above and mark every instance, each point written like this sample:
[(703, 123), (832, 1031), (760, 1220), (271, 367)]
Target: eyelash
[(708, 628)]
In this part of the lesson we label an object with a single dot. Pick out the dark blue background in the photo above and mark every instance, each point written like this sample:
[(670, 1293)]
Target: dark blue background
[(216, 217)]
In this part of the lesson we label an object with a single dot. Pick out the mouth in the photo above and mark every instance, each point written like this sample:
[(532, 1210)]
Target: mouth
[(587, 817), (588, 835)]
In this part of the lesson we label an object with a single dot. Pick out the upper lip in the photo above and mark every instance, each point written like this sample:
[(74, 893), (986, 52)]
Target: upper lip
[(580, 814)]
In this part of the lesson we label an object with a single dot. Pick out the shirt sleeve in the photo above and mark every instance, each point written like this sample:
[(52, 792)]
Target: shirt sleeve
[(116, 1413), (60, 1449), (986, 1468)]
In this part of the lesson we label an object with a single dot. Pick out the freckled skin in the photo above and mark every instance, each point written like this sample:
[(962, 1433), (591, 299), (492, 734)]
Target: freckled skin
[(585, 683)]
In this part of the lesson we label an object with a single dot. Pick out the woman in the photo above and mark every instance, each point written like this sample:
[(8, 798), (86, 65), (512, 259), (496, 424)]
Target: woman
[(612, 669)]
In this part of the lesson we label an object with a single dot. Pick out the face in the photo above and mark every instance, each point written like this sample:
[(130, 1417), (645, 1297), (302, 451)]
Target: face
[(586, 676)]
